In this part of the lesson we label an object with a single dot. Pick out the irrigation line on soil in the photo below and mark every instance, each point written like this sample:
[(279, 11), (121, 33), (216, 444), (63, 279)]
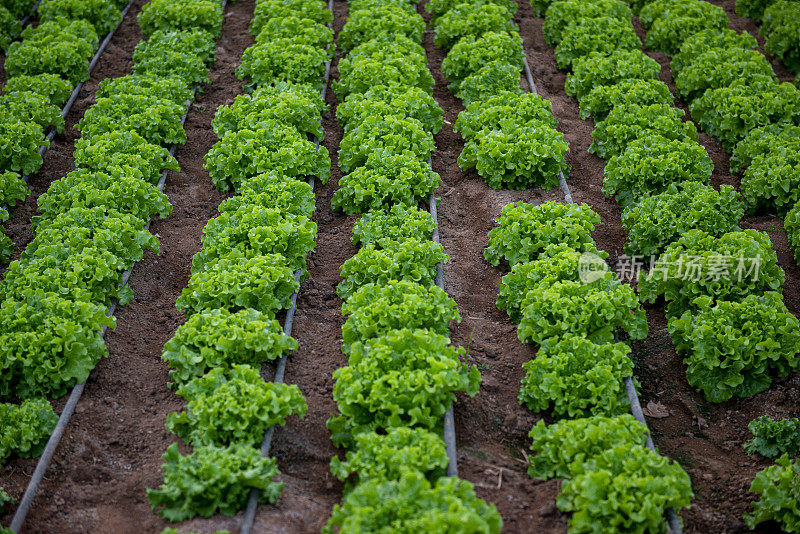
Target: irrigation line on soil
[(630, 388), (63, 420), (252, 499), (27, 18)]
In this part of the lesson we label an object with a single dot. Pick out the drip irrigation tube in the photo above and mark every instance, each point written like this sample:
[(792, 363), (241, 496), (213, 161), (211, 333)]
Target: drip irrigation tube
[(630, 388), (27, 18), (252, 500), (63, 420)]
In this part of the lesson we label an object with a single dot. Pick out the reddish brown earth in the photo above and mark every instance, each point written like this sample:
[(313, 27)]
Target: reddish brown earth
[(111, 450)]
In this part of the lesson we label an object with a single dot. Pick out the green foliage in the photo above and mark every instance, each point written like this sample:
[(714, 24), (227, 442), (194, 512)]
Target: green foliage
[(559, 449), (671, 22), (720, 67), (399, 223), (298, 106), (121, 189), (377, 309), (728, 113), (772, 181), (492, 79), (707, 40), (5, 499), (775, 139), (388, 456), (267, 10), (792, 225), (412, 260), (624, 488), (573, 377), (219, 339), (439, 7), (48, 344), (602, 34), (517, 157), (234, 405), (599, 102), (12, 189), (783, 35), (51, 86), (526, 229), (30, 107), (384, 135), (57, 47), (651, 164), (387, 20), (503, 110), (157, 120), (182, 54), (10, 29), (385, 100), (19, 146), (282, 193), (773, 438), (753, 9), (474, 20), (102, 14), (123, 149), (730, 267), (213, 480), (25, 428), (411, 505), (658, 220), (19, 8), (302, 30), (625, 124), (402, 378), (598, 69), (779, 488), (733, 348), (263, 283), (166, 15), (170, 88), (471, 54), (282, 60), (595, 310), (272, 147), (253, 230), (380, 62), (564, 13)]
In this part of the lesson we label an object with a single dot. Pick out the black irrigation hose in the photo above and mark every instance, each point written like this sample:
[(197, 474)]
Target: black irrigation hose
[(252, 500), (27, 18), (74, 96), (630, 388), (63, 420)]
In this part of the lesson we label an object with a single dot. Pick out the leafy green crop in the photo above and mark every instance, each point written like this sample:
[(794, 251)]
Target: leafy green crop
[(5, 499), (734, 348), (50, 86), (651, 164), (301, 30), (474, 20), (384, 135), (388, 456), (624, 488), (721, 67), (398, 223), (384, 180), (282, 193), (658, 220), (48, 344), (563, 446), (775, 139), (219, 339), (782, 30), (439, 7), (411, 259), (411, 505), (730, 267), (25, 428), (30, 107), (707, 40), (19, 146), (124, 149), (184, 54), (599, 102), (573, 377), (602, 34), (792, 225), (282, 60), (779, 488), (471, 54), (263, 283), (492, 79), (595, 310), (19, 8), (564, 13), (267, 10), (272, 147), (102, 14), (166, 15), (377, 309), (671, 22), (234, 405), (387, 20), (625, 124), (526, 229), (753, 9), (165, 87), (598, 69), (213, 480), (12, 189), (773, 438), (501, 110), (771, 181), (384, 100), (402, 378)]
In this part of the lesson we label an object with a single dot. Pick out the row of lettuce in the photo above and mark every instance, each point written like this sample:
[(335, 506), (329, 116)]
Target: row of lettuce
[(92, 223), (13, 13), (42, 69), (721, 284), (252, 260), (780, 28), (402, 372)]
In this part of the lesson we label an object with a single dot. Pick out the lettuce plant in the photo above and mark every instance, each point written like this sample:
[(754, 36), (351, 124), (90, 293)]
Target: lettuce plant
[(166, 15), (597, 69), (603, 34), (706, 40), (503, 110), (564, 13), (780, 495), (389, 135), (267, 10), (721, 67), (122, 149), (102, 14), (302, 30), (471, 20), (492, 79), (12, 189), (282, 60), (671, 22), (51, 86), (282, 193), (767, 141), (599, 102), (792, 224), (471, 53), (367, 23), (396, 99), (398, 223), (774, 437), (25, 428), (771, 181)]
